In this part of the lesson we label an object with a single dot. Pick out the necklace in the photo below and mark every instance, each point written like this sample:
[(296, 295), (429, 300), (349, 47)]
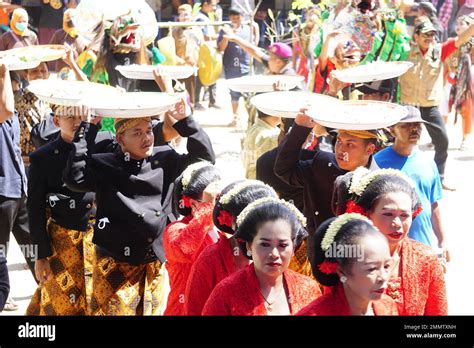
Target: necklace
[(269, 304)]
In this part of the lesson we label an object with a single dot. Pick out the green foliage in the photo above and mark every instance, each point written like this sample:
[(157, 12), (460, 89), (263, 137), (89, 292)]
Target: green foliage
[(301, 4)]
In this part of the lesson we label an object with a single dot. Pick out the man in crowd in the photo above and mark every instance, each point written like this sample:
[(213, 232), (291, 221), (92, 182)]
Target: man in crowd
[(404, 155), (422, 85), (13, 183), (236, 61), (352, 150), (133, 187)]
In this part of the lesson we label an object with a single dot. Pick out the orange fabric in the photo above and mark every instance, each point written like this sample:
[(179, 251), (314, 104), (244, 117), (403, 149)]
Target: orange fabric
[(321, 78), (422, 286), (467, 114), (300, 262), (183, 241), (240, 294), (214, 264), (4, 18), (335, 303)]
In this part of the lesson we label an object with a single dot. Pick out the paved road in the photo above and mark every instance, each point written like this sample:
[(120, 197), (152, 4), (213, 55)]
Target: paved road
[(456, 208)]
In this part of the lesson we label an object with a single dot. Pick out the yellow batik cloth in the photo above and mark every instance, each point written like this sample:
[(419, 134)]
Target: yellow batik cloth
[(64, 292), (300, 262), (89, 256), (120, 288)]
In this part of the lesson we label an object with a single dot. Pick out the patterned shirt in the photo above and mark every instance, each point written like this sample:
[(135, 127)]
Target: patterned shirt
[(31, 111)]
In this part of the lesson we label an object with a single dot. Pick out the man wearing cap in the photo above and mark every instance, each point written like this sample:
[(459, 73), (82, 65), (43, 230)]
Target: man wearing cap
[(422, 85), (133, 189), (235, 60), (426, 9), (354, 148), (404, 155)]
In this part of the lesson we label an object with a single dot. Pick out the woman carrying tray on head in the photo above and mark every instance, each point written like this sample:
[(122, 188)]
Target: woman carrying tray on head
[(133, 189), (346, 54), (20, 35)]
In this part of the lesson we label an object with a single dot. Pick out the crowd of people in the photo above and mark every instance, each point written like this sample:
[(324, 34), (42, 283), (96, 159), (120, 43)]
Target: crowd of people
[(325, 222)]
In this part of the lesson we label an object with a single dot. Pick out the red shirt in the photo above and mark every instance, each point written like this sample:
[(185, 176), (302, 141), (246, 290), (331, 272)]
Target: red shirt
[(214, 264), (240, 294), (320, 82), (447, 48), (422, 287), (183, 241), (335, 303)]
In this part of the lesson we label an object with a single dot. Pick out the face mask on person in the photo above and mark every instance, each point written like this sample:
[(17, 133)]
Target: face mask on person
[(19, 21), (21, 27)]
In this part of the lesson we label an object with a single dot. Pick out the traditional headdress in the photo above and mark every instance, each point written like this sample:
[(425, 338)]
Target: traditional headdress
[(361, 179), (261, 201), (329, 267), (123, 124)]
